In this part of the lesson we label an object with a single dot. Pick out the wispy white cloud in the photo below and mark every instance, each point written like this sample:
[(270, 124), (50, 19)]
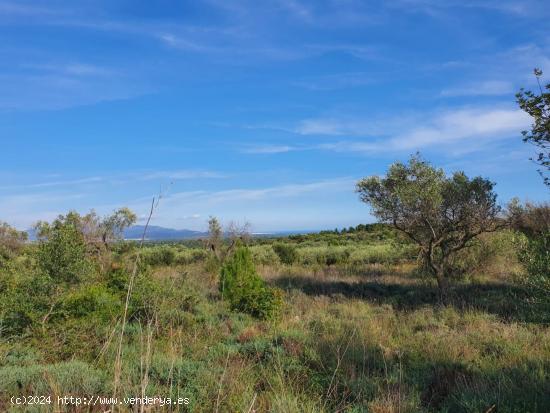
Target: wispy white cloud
[(330, 126), (76, 69), (53, 91), (192, 216), (21, 205), (270, 149), (27, 9), (241, 195), (246, 34), (182, 43), (22, 210), (354, 125), (181, 175), (451, 131), (509, 70), (486, 88), (120, 178), (235, 48), (465, 126), (338, 81), (49, 184), (518, 8), (239, 203), (298, 9)]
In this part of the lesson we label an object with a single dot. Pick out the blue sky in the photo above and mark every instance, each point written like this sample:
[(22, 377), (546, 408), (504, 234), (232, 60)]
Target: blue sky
[(264, 111)]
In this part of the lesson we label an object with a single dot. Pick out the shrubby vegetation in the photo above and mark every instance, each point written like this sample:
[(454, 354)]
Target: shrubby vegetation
[(11, 241), (286, 252), (241, 285), (534, 254), (533, 221), (346, 320)]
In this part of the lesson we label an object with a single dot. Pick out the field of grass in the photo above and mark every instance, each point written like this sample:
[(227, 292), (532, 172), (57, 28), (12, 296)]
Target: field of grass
[(361, 330)]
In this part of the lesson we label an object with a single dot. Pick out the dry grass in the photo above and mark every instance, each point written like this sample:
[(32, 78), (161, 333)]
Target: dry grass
[(372, 338)]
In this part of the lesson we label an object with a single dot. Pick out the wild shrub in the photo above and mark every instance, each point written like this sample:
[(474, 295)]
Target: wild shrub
[(492, 253), (117, 280), (162, 255), (264, 255), (190, 256), (25, 297), (533, 221), (534, 254), (287, 253), (334, 257), (11, 241), (243, 288), (37, 291), (62, 253), (146, 294), (212, 265), (94, 301)]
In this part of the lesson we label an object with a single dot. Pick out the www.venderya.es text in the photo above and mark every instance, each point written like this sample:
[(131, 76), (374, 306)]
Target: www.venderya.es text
[(98, 400)]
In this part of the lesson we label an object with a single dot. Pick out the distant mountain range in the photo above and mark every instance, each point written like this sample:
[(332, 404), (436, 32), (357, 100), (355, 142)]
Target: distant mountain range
[(155, 233)]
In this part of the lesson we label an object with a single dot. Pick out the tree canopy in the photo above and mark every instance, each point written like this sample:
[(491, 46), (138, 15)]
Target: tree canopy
[(441, 214), (538, 107), (11, 240)]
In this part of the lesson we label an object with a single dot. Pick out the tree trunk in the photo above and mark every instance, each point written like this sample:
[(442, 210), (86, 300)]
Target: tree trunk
[(443, 285), (439, 274)]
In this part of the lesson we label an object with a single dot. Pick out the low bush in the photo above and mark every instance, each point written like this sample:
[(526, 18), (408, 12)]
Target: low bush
[(287, 253), (488, 254), (190, 256), (534, 254), (243, 288), (94, 301), (26, 297), (264, 255), (62, 253), (337, 257), (162, 255)]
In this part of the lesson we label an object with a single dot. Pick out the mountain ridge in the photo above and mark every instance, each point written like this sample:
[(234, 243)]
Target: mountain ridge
[(158, 233)]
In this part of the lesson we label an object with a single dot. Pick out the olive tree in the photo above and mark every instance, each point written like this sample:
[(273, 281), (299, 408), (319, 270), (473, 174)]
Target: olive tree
[(222, 243), (70, 245), (11, 240), (441, 214), (97, 233), (214, 242), (112, 226), (537, 105), (62, 252)]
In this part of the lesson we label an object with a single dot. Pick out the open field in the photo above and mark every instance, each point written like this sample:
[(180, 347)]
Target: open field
[(361, 330)]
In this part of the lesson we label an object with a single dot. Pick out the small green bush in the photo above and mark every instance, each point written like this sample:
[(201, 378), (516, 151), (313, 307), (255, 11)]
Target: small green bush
[(190, 256), (534, 254), (241, 285), (163, 255), (287, 253), (24, 302), (337, 257), (264, 255), (93, 300), (117, 280), (62, 255)]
